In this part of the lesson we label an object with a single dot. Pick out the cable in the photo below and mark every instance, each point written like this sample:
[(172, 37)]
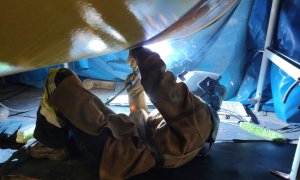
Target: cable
[(17, 110), (256, 129), (16, 92), (286, 95), (231, 113), (12, 94), (289, 129)]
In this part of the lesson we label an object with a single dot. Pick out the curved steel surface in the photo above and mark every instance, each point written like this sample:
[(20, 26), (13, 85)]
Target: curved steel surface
[(42, 33)]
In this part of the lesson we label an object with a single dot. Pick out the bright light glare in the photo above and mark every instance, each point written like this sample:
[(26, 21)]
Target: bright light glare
[(4, 66), (96, 45), (94, 19), (163, 48)]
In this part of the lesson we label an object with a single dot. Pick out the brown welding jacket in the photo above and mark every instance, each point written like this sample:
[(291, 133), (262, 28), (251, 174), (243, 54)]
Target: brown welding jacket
[(174, 136)]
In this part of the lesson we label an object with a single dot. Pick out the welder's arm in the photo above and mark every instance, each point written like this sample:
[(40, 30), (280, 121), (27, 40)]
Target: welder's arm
[(172, 99), (135, 92)]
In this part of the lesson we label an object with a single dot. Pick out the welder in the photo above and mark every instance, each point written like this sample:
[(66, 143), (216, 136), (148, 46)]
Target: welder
[(184, 121)]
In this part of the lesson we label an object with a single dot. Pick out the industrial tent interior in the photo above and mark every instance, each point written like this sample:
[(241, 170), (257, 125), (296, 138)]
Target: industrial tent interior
[(252, 44)]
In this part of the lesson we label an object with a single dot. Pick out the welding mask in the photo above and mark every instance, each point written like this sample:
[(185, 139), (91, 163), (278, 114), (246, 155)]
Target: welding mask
[(206, 86)]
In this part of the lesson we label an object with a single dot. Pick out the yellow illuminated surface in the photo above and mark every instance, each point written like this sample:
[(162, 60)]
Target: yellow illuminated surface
[(37, 33)]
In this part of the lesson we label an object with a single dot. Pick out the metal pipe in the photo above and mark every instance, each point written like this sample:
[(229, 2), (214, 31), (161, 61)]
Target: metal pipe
[(264, 63), (127, 85)]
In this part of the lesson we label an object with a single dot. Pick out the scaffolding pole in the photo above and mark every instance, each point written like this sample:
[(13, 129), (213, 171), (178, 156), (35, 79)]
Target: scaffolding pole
[(265, 61)]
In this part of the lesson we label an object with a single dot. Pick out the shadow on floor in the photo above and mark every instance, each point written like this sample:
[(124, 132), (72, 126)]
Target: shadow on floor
[(230, 160)]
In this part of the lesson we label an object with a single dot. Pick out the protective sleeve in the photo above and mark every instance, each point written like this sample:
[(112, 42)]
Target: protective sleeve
[(168, 96), (186, 123)]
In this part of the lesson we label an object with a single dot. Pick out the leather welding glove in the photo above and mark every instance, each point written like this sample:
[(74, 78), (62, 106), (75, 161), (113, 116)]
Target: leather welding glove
[(135, 92), (131, 61)]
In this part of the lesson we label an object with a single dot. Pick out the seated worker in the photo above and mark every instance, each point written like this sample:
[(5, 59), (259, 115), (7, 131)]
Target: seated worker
[(123, 145)]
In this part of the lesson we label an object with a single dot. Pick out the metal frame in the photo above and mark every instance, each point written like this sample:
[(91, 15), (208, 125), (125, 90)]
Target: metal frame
[(265, 61), (290, 66)]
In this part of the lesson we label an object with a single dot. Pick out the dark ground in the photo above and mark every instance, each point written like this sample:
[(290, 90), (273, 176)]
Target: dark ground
[(237, 155)]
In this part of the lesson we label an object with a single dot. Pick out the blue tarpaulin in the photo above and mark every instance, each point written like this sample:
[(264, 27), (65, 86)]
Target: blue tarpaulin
[(110, 67), (287, 42), (231, 47)]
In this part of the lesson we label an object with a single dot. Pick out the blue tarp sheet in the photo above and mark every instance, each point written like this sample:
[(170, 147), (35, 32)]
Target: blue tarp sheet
[(287, 42), (231, 47)]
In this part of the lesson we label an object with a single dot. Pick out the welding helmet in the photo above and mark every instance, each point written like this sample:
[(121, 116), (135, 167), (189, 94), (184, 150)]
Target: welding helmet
[(206, 86)]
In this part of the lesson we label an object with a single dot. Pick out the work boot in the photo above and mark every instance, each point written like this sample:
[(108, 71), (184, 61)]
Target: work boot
[(39, 150)]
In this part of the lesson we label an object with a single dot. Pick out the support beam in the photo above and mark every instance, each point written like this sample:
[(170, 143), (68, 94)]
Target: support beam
[(264, 63), (291, 67)]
